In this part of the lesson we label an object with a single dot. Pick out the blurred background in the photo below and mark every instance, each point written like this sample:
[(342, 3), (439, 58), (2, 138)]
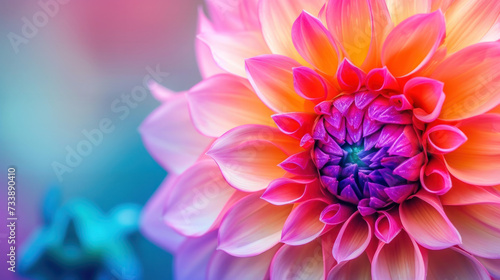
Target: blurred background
[(67, 69)]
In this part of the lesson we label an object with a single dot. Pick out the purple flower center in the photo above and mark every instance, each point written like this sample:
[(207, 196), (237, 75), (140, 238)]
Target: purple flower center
[(367, 152)]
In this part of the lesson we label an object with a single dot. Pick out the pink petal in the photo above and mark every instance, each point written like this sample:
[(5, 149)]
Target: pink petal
[(311, 86), (315, 44), (493, 34), (464, 194), (288, 190), (152, 225), (272, 79), (492, 265), (426, 96), (435, 177), (412, 43), (252, 226), (353, 239), (300, 164), (444, 138), (233, 15), (477, 161), (400, 259), (303, 225), (232, 48), (470, 79), (327, 241), (277, 18), (248, 155), (223, 266), (206, 63), (295, 124), (381, 79), (369, 20), (401, 10), (161, 93), (191, 261), (223, 102), (336, 213), (387, 226), (358, 268), (478, 225), (298, 262), (171, 138), (424, 220), (468, 21), (454, 263), (350, 77), (198, 199)]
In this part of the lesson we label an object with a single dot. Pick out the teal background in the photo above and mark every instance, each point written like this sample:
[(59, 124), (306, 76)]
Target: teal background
[(64, 80)]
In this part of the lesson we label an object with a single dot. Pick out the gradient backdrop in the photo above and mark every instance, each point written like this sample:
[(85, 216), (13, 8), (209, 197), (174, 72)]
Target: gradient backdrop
[(65, 79)]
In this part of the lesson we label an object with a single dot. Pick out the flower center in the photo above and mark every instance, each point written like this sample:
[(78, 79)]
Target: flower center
[(367, 152)]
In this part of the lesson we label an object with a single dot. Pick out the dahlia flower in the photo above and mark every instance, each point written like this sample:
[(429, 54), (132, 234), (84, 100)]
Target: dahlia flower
[(340, 139)]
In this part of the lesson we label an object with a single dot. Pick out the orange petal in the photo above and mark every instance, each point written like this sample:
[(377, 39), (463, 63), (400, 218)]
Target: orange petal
[(464, 194), (478, 225), (277, 18), (467, 21), (477, 161), (412, 43), (360, 26), (248, 155), (272, 79), (470, 79), (315, 44), (401, 10), (223, 102)]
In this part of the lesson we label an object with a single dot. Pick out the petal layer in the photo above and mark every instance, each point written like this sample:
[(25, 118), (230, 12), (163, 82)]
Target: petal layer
[(412, 43), (425, 221), (248, 155), (478, 225), (272, 79), (252, 227), (400, 259), (467, 21), (197, 199), (454, 263), (171, 138), (477, 161), (223, 266), (223, 102), (298, 262), (277, 18), (231, 49), (470, 79)]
